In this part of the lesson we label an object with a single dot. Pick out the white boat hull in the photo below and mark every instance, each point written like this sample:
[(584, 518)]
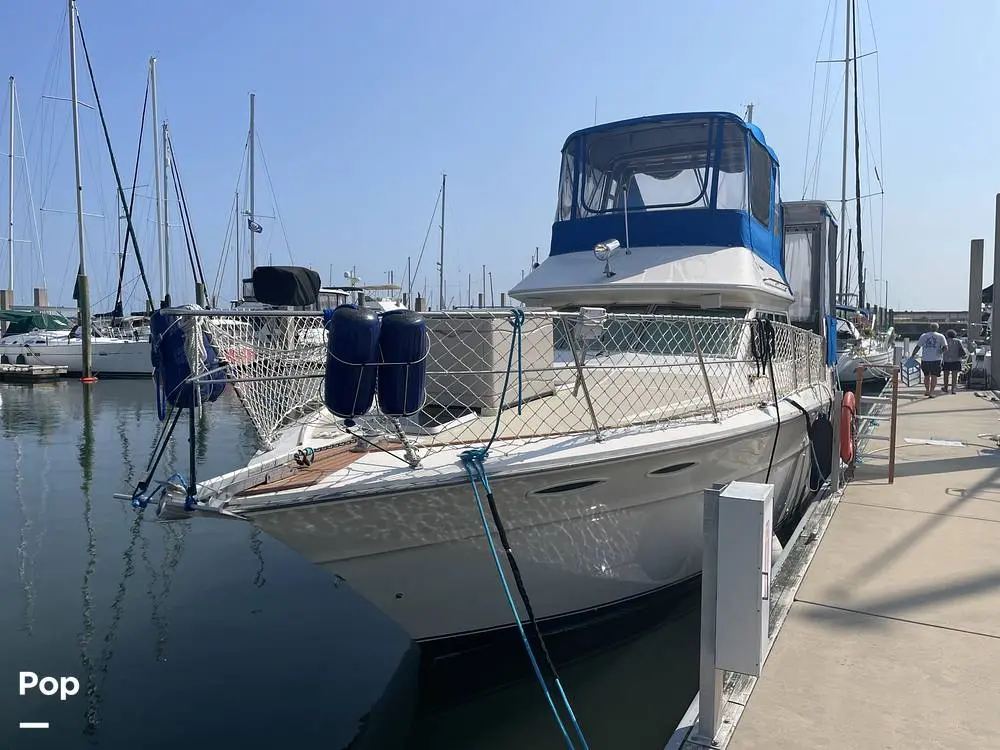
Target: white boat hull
[(421, 556), (878, 360), (109, 357)]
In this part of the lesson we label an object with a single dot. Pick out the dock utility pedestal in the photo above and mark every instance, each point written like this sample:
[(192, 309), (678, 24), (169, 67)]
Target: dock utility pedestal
[(735, 592)]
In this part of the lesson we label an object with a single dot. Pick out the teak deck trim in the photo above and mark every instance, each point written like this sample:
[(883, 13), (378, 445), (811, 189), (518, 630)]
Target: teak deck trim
[(291, 476)]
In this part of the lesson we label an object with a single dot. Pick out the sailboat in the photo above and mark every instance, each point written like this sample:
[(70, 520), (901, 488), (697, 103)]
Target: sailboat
[(83, 349), (653, 358), (859, 342)]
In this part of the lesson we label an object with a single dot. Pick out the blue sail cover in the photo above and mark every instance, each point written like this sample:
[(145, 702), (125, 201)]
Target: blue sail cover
[(694, 179)]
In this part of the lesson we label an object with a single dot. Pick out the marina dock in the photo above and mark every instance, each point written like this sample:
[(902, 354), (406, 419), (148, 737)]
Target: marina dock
[(886, 634), (13, 373)]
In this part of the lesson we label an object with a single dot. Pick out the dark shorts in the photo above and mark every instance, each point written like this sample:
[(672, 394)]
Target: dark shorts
[(931, 369), (952, 366)]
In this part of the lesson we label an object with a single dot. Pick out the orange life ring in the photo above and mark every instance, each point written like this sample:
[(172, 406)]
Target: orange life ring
[(848, 412)]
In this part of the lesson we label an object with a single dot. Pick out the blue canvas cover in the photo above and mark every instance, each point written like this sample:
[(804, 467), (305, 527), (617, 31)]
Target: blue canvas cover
[(694, 179)]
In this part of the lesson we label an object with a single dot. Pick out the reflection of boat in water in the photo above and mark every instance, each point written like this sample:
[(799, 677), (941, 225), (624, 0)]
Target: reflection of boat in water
[(48, 412), (665, 365), (138, 551)]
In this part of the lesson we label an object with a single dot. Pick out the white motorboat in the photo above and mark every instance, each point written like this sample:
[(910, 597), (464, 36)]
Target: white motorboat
[(628, 384)]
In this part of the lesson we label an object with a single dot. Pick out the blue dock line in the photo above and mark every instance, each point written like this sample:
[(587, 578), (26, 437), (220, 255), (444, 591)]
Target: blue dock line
[(473, 461), (516, 320)]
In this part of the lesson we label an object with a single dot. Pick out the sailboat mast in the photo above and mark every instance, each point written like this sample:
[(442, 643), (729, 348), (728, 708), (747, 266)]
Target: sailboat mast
[(166, 217), (253, 218), (157, 201), (441, 304), (843, 178), (10, 193), (857, 160), (83, 292), (239, 228)]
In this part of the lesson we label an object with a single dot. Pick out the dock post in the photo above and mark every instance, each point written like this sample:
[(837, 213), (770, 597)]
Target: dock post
[(838, 403), (975, 293), (6, 303), (892, 424), (709, 678), (995, 329)]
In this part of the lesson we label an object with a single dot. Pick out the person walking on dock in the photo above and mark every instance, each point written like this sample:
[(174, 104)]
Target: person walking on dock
[(954, 355), (934, 345)]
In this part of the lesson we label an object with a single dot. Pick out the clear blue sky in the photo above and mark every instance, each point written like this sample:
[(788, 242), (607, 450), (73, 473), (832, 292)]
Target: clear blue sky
[(360, 107)]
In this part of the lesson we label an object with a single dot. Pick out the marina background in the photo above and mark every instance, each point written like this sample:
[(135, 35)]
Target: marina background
[(360, 110)]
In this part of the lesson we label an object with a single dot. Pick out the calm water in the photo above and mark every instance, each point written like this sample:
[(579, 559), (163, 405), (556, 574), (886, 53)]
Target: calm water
[(191, 634)]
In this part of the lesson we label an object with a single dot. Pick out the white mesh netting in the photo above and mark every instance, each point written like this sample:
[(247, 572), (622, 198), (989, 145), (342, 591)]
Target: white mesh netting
[(572, 372)]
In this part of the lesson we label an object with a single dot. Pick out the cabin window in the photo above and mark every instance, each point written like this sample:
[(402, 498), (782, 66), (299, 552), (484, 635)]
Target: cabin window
[(777, 317), (760, 183), (567, 180), (779, 211), (647, 166), (731, 192)]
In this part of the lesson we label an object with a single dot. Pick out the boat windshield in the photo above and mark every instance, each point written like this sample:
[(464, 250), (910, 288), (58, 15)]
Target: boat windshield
[(658, 165)]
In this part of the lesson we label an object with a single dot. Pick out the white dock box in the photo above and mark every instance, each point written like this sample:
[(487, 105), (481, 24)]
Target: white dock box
[(744, 576), (468, 358)]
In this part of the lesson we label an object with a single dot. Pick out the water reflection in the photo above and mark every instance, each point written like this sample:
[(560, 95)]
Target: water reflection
[(285, 655), (86, 461), (257, 548), (44, 403), (25, 560), (155, 619)]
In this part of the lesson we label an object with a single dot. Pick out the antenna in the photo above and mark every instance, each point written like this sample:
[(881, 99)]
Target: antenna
[(441, 305), (10, 204), (749, 112)]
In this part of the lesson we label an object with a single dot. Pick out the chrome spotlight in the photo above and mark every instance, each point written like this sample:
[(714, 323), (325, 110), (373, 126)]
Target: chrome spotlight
[(604, 250)]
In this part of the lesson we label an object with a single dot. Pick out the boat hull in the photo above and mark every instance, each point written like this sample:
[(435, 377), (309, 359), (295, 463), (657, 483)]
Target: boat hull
[(585, 539), (880, 363), (108, 358)]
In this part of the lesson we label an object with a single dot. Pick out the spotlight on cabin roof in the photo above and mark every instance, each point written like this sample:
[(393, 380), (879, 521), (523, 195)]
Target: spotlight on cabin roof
[(604, 250)]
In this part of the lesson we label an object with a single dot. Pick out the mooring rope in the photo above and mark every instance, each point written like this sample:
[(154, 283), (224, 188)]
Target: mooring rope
[(473, 462)]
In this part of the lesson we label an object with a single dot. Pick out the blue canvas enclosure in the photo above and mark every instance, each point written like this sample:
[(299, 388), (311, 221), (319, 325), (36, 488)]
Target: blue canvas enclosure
[(699, 179)]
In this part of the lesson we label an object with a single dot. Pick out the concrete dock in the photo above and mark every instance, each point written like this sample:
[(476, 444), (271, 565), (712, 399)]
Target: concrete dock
[(893, 637)]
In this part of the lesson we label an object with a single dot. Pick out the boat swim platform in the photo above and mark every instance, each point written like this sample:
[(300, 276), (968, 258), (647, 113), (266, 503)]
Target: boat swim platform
[(885, 613), (14, 373)]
